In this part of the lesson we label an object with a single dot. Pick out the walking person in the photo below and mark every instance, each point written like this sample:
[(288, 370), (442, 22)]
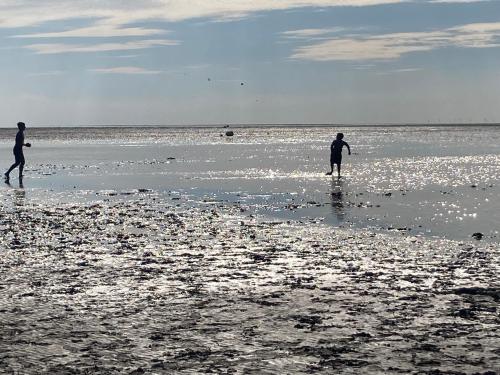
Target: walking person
[(18, 152), (336, 153)]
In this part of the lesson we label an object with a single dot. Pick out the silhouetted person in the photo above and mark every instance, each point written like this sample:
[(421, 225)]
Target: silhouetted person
[(336, 152), (18, 152)]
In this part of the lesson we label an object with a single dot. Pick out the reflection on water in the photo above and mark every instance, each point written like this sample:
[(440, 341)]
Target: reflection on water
[(337, 199), (18, 194)]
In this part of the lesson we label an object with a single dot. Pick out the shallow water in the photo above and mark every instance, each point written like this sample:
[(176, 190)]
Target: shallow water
[(432, 181)]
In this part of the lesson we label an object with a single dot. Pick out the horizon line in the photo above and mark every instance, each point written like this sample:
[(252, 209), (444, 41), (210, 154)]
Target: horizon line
[(257, 125)]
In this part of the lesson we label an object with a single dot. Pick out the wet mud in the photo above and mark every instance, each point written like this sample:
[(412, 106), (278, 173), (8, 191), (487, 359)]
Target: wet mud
[(147, 286)]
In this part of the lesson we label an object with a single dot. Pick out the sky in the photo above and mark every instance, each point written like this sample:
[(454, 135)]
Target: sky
[(211, 62)]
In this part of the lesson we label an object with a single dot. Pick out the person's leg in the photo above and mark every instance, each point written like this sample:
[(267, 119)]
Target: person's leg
[(331, 165), (338, 169), (10, 169), (21, 164), (331, 170), (18, 159), (21, 167)]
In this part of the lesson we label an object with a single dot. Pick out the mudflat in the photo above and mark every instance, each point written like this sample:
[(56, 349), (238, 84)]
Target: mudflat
[(144, 286), (156, 250)]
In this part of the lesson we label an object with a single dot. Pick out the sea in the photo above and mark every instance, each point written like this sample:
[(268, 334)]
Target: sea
[(440, 181)]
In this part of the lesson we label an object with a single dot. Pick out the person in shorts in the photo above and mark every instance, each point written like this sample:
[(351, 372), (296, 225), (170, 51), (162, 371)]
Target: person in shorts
[(336, 153), (18, 152)]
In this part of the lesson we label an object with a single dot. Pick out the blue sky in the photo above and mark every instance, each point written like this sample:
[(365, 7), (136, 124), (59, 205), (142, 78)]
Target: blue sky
[(162, 62)]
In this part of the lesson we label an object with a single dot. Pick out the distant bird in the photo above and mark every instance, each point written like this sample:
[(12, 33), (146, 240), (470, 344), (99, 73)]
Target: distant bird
[(241, 83)]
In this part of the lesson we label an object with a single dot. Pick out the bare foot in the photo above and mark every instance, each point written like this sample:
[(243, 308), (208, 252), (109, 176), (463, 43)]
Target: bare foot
[(328, 173)]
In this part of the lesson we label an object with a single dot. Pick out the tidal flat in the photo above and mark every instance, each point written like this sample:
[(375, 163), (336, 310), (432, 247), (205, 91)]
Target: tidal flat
[(163, 251), (147, 287)]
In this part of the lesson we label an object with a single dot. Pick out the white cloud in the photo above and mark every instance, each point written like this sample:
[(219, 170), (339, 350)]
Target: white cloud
[(124, 70), (393, 46), (369, 48), (113, 18), (309, 33), (96, 32), (22, 13), (130, 56), (401, 70), (54, 48), (407, 70)]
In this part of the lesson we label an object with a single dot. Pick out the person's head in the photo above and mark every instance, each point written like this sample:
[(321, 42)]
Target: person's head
[(340, 136), (21, 125)]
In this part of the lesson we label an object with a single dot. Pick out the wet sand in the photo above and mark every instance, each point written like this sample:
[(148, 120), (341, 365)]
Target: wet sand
[(145, 285)]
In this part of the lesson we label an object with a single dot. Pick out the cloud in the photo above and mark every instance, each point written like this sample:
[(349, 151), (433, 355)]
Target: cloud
[(390, 46), (310, 33), (393, 46), (129, 56), (23, 13), (113, 18), (364, 66), (407, 70), (401, 70), (101, 31), (124, 70), (55, 48)]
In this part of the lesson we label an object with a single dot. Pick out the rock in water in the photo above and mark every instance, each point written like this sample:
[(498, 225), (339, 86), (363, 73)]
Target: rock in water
[(230, 133), (477, 235)]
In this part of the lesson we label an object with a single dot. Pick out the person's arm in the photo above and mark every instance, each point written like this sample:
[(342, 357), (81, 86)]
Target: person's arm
[(348, 148), (27, 144)]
